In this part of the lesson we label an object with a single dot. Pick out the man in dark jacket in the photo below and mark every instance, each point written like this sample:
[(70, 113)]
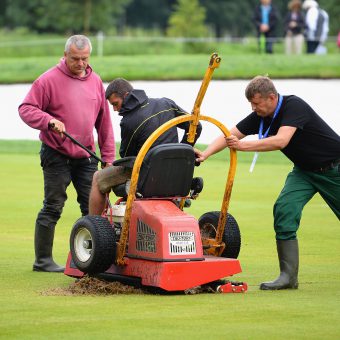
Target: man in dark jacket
[(141, 116), (265, 19)]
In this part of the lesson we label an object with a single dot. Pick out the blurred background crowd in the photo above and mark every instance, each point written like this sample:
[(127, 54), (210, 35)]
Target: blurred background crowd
[(303, 21)]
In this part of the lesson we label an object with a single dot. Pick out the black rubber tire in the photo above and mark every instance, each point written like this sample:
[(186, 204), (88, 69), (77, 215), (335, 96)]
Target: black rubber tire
[(231, 236), (101, 252)]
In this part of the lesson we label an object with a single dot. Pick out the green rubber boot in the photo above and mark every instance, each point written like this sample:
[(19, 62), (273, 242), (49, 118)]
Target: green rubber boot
[(288, 253)]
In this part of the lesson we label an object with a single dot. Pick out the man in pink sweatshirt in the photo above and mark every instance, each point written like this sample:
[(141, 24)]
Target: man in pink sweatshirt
[(68, 97)]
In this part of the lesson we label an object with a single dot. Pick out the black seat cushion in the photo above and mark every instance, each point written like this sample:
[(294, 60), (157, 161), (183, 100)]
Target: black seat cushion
[(167, 171)]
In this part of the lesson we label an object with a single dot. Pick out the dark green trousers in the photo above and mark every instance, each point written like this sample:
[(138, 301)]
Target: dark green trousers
[(299, 188)]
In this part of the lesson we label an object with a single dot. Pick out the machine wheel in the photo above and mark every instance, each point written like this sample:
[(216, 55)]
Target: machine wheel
[(208, 223), (93, 244)]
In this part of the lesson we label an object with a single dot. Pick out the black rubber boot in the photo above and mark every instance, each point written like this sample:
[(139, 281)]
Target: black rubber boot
[(288, 253), (43, 244)]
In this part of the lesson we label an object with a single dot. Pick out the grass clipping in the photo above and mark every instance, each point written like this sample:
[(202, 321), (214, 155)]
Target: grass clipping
[(88, 285)]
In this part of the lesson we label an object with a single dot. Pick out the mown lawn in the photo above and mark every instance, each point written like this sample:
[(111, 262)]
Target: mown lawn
[(28, 311), (182, 67)]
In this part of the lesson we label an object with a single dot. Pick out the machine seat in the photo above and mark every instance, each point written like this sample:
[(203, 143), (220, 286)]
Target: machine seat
[(167, 171)]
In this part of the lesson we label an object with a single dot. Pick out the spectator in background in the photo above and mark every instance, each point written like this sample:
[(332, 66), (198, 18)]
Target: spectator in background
[(294, 25), (317, 27), (265, 18)]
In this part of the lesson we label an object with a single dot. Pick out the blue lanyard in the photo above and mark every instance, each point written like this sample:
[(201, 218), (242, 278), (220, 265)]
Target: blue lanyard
[(278, 106), (261, 135)]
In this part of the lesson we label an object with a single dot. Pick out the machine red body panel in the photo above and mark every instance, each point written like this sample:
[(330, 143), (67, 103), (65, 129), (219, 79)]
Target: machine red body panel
[(170, 276), (173, 276), (159, 230)]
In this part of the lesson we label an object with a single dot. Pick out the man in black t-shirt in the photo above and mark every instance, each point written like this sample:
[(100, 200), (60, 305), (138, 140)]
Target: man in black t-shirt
[(288, 124)]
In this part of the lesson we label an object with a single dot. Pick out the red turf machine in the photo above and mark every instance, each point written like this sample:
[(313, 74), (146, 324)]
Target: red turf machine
[(146, 239)]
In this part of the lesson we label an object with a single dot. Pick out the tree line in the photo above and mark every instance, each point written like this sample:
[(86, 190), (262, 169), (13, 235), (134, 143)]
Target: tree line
[(188, 18)]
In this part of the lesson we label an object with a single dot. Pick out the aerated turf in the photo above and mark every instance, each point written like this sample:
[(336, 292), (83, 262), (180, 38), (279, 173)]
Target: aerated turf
[(311, 312)]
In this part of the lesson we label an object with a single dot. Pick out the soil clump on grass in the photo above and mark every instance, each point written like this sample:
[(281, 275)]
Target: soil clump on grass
[(88, 285)]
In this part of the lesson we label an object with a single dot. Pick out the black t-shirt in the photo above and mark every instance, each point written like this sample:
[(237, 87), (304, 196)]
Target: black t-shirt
[(313, 145)]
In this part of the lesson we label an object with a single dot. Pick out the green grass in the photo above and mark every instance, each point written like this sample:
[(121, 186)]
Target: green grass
[(181, 67), (24, 44), (311, 312), (24, 56)]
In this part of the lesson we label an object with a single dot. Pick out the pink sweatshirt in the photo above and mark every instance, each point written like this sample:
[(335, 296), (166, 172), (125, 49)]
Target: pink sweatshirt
[(79, 102)]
